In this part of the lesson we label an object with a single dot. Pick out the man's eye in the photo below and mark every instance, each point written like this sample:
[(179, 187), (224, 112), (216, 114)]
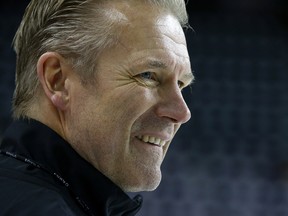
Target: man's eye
[(147, 75), (147, 78)]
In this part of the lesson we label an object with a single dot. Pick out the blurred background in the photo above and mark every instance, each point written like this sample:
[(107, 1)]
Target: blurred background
[(231, 159)]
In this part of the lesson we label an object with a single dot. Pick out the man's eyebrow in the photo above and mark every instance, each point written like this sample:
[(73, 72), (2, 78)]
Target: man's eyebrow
[(189, 77), (156, 64)]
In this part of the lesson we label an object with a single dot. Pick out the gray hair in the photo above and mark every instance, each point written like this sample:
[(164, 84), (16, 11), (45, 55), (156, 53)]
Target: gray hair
[(76, 29)]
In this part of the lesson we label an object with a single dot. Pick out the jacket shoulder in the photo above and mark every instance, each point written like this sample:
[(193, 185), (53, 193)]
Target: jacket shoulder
[(27, 190)]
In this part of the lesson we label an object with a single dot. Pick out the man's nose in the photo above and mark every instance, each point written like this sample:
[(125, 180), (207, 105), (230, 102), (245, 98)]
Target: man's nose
[(173, 106)]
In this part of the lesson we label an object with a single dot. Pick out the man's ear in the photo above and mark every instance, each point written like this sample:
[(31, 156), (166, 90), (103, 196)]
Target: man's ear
[(53, 75)]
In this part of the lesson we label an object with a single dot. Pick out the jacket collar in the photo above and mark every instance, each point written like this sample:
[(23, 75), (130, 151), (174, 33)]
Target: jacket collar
[(36, 141)]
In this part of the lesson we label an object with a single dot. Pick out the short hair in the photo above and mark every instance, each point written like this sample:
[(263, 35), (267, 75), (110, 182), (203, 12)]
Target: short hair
[(76, 29)]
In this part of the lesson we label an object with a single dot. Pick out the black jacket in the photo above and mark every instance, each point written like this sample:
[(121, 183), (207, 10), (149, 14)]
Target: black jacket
[(41, 174)]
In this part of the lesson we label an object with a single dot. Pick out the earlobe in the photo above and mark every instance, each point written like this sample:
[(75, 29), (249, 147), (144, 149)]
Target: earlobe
[(59, 100), (53, 75)]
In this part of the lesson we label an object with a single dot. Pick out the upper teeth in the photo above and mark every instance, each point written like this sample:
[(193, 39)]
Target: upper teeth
[(153, 140)]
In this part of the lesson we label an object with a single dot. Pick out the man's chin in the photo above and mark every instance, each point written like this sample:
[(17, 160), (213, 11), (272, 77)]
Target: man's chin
[(149, 184)]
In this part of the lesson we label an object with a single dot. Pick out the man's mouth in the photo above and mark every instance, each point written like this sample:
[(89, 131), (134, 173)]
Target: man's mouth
[(152, 140)]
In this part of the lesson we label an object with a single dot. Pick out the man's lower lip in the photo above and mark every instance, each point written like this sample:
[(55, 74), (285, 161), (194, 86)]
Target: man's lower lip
[(153, 144)]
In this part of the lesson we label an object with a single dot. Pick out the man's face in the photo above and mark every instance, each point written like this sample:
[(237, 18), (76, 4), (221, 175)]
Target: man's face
[(123, 125)]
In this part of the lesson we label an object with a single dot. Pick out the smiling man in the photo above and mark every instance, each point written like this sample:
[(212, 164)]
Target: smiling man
[(97, 103)]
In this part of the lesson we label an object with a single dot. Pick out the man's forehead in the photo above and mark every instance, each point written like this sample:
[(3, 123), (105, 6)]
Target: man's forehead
[(154, 33)]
